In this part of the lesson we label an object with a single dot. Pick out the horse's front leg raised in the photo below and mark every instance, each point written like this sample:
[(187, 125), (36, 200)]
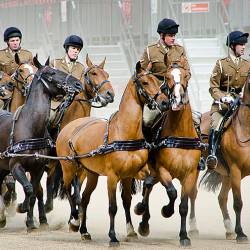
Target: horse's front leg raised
[(19, 174), (236, 188), (112, 185)]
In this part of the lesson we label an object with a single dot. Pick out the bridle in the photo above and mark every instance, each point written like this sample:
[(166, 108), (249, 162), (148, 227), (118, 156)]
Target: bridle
[(23, 81), (150, 101)]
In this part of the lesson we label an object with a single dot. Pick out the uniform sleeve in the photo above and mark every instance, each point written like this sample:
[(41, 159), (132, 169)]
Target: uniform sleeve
[(215, 79), (144, 59), (187, 67)]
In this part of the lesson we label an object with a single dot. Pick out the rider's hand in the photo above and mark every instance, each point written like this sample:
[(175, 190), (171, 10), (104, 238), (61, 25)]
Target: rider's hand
[(227, 99), (2, 92)]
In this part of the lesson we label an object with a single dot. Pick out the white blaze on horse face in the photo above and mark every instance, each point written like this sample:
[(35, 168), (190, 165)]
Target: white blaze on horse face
[(176, 73), (30, 69)]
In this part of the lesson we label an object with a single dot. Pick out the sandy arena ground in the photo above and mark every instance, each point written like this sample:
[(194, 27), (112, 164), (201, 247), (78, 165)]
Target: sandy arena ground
[(164, 232)]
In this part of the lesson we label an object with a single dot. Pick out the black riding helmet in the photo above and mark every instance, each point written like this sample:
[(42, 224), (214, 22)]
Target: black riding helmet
[(236, 37), (73, 40), (167, 26), (11, 32)]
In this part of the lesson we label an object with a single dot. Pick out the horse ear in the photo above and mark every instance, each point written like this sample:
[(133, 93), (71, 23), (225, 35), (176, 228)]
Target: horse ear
[(138, 67), (47, 61), (17, 59), (102, 63), (88, 62), (36, 62)]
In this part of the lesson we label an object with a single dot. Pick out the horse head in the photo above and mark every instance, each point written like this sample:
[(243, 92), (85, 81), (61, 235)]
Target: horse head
[(56, 81), (97, 84), (177, 82), (246, 92), (23, 75), (149, 89)]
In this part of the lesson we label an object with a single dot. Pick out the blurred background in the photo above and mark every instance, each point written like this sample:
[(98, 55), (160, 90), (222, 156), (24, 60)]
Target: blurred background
[(120, 30)]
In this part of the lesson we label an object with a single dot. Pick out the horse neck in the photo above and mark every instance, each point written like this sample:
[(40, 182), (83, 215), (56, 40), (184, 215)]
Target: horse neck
[(77, 109), (17, 100), (179, 123), (36, 111), (128, 120)]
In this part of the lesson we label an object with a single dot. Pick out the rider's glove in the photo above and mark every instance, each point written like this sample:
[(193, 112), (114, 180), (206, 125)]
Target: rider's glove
[(227, 99), (2, 92)]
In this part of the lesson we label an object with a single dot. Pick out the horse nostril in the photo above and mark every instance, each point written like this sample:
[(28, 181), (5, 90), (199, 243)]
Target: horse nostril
[(165, 104), (110, 94)]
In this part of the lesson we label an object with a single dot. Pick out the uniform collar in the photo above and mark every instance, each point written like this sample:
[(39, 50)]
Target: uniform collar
[(233, 57), (13, 52)]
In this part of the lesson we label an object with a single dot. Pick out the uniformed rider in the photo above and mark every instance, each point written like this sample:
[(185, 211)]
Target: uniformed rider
[(226, 83), (69, 64), (154, 55)]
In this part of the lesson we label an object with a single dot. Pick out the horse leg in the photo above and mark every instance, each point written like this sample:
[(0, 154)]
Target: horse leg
[(76, 195), (10, 195), (35, 180), (193, 231), (2, 205), (50, 186), (19, 174), (92, 180), (41, 208), (112, 185), (188, 187), (235, 181), (222, 199), (142, 208), (126, 201), (166, 180)]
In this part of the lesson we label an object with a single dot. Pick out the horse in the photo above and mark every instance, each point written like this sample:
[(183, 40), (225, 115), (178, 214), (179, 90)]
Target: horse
[(6, 83), (233, 165), (96, 89), (20, 81), (22, 133), (176, 153), (117, 146)]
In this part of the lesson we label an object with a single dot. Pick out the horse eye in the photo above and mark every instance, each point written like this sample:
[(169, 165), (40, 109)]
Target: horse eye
[(94, 74), (144, 83)]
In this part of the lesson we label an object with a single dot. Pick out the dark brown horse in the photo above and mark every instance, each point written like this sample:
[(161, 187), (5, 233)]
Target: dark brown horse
[(176, 154), (96, 89), (234, 164), (121, 150), (23, 134)]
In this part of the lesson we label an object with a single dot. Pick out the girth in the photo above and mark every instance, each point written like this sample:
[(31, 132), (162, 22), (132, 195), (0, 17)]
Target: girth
[(30, 144), (179, 142)]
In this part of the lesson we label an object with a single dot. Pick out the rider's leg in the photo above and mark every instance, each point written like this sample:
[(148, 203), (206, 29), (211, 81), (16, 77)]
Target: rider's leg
[(216, 119)]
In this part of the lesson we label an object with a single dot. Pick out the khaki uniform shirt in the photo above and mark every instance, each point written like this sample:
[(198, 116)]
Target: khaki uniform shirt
[(155, 53), (76, 69), (7, 59), (226, 72)]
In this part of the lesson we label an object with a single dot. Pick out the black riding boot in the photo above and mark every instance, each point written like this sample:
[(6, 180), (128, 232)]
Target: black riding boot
[(212, 160)]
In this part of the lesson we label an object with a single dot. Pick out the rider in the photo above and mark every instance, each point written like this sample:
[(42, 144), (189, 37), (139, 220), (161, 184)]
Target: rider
[(226, 83), (13, 37), (154, 56), (69, 64)]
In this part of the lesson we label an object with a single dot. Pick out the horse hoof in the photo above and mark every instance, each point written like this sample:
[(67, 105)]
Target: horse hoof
[(143, 229), (139, 208), (242, 239), (32, 228), (3, 222), (20, 209), (114, 243), (132, 235), (86, 236), (44, 226), (230, 236), (167, 211), (185, 243), (194, 234), (73, 227)]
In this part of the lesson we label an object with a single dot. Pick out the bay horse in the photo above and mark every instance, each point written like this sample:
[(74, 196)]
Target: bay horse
[(23, 133), (233, 165), (123, 132), (96, 89), (6, 84), (176, 153)]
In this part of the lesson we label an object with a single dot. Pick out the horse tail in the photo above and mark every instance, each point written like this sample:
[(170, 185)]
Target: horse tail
[(211, 180), (135, 186)]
